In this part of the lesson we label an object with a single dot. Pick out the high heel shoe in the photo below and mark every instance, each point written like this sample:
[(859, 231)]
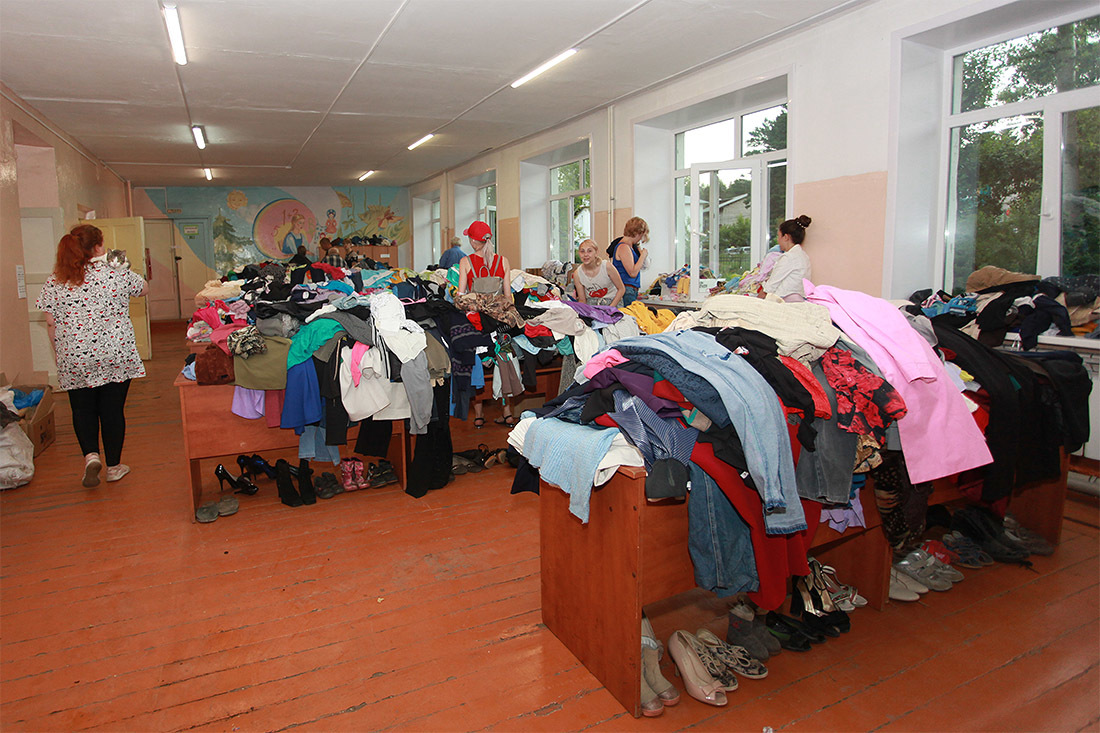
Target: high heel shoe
[(259, 465), (245, 464), (805, 604), (305, 482), (820, 593), (697, 680), (239, 485), (666, 692)]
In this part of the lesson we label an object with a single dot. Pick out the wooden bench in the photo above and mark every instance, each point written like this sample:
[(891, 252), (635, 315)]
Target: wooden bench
[(211, 430), (597, 577)]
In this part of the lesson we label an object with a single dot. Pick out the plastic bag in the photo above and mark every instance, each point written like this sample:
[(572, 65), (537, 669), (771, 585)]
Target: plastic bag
[(16, 457)]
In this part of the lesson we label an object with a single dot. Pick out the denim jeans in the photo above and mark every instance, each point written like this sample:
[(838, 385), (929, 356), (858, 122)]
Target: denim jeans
[(718, 539), (629, 296)]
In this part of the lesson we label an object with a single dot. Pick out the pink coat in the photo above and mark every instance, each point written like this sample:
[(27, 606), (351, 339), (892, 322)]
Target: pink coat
[(938, 435)]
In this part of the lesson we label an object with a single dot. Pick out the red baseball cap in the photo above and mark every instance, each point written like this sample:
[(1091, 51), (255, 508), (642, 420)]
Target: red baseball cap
[(479, 230)]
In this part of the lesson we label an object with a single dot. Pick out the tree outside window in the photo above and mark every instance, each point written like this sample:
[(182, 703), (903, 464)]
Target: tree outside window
[(570, 209)]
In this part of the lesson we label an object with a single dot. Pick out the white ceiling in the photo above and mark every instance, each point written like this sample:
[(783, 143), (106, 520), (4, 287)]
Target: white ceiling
[(300, 94)]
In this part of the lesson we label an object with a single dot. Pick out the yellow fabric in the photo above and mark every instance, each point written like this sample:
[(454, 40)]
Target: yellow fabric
[(647, 321)]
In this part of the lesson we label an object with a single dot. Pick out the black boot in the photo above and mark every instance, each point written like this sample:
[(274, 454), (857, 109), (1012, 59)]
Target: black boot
[(287, 493), (305, 482)]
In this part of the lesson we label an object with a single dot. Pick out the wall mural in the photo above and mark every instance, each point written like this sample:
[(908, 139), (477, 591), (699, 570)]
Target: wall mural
[(255, 224)]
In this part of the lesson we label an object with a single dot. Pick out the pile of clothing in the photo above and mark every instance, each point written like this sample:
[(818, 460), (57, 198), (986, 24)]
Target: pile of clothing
[(773, 414)]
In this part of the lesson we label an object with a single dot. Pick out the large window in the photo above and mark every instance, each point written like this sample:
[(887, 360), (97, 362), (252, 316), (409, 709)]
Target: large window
[(570, 209), (1023, 155), (747, 145), (487, 206), (436, 232)]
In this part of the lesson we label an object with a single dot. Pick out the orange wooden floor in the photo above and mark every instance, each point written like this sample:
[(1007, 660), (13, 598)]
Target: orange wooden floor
[(375, 610)]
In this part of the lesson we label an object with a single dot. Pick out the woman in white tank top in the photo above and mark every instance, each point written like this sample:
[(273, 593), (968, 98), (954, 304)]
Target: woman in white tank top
[(597, 281)]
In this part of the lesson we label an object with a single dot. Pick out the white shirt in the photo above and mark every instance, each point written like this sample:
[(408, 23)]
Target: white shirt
[(789, 272)]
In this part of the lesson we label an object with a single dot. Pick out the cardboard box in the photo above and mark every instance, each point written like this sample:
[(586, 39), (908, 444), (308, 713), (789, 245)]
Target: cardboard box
[(38, 423)]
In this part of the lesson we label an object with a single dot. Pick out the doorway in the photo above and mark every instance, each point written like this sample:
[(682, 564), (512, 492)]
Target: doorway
[(164, 289)]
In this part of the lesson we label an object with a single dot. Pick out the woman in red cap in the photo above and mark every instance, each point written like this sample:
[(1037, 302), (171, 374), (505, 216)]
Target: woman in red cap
[(492, 276), (475, 266)]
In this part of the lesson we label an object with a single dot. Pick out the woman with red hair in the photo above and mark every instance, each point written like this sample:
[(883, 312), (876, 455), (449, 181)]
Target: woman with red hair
[(87, 305)]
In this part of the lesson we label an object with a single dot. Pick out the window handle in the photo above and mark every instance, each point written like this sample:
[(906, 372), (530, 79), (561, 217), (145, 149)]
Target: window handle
[(1047, 212)]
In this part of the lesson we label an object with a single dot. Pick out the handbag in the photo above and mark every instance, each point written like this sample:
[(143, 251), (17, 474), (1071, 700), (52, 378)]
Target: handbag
[(488, 284)]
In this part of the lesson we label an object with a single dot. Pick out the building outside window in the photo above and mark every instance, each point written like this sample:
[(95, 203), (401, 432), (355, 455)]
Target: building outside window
[(1023, 155), (748, 145), (570, 209)]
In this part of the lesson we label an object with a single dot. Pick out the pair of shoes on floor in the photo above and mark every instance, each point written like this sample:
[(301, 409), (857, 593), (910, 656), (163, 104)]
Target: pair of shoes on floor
[(970, 554), (927, 570), (460, 464), (657, 692), (736, 658), (507, 420), (980, 525), (370, 476), (698, 668), (1035, 543), (748, 629), (792, 633), (846, 597), (224, 507), (284, 482), (327, 486), (240, 484)]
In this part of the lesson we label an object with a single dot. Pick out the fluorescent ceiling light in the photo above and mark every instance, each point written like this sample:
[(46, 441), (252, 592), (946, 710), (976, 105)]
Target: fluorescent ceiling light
[(366, 175), (175, 33), (200, 136), (421, 141), (208, 174), (548, 65)]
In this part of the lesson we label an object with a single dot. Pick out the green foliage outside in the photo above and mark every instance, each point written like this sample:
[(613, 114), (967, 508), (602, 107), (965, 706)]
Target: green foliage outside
[(999, 165)]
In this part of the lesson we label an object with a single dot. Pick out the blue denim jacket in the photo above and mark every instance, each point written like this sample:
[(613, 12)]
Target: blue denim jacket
[(752, 407)]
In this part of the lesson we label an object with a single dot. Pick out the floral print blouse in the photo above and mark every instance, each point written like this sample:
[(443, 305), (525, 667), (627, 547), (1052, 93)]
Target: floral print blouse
[(93, 337)]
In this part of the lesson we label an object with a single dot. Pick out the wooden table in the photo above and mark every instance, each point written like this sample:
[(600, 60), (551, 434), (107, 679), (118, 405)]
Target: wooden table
[(597, 577), (211, 430)]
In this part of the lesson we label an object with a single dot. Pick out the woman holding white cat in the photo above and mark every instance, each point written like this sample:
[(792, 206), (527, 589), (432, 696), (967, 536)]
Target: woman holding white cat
[(87, 305)]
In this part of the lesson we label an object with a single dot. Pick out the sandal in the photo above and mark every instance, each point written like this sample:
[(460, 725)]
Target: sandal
[(508, 420), (479, 422)]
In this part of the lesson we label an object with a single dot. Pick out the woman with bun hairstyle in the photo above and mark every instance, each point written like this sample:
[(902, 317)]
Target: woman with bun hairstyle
[(793, 266), (87, 305), (628, 256)]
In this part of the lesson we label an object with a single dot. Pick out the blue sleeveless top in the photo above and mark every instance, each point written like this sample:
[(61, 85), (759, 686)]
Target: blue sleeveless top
[(630, 280)]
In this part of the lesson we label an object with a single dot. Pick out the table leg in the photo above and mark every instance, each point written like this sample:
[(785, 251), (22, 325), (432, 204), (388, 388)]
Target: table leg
[(196, 485)]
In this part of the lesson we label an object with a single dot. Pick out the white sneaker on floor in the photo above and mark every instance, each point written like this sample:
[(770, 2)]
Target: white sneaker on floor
[(92, 466), (114, 473), (899, 591)]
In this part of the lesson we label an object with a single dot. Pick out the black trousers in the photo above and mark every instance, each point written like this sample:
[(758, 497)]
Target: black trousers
[(96, 407)]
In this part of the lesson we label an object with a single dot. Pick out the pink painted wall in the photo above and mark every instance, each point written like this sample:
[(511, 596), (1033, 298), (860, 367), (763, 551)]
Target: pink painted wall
[(845, 240), (82, 180)]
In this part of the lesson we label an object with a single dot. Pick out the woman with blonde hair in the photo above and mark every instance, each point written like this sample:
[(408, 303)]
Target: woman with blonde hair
[(628, 256), (87, 305), (596, 279)]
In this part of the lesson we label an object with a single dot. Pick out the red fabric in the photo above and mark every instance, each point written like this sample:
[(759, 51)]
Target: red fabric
[(475, 318), (533, 331), (806, 377), (479, 269), (778, 557), (334, 272), (273, 406)]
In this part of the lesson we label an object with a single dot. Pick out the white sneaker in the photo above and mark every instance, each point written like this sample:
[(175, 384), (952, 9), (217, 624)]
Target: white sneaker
[(92, 466), (909, 581), (899, 591), (114, 473)]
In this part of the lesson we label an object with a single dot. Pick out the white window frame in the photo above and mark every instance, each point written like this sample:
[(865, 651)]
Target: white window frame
[(435, 227), (488, 213), (565, 195), (760, 163), (1051, 108)]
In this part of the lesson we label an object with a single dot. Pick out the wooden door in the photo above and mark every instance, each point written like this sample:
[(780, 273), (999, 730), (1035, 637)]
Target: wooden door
[(128, 234)]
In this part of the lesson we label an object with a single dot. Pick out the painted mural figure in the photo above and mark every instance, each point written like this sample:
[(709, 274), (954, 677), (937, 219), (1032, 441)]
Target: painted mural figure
[(331, 227), (295, 238)]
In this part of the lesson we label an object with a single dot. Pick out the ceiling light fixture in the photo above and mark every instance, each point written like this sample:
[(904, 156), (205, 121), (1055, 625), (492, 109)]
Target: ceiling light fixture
[(548, 65), (175, 33), (366, 175), (421, 141), (208, 174), (200, 136)]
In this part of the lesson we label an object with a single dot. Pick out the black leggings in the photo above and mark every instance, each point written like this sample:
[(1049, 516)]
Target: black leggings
[(96, 406)]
